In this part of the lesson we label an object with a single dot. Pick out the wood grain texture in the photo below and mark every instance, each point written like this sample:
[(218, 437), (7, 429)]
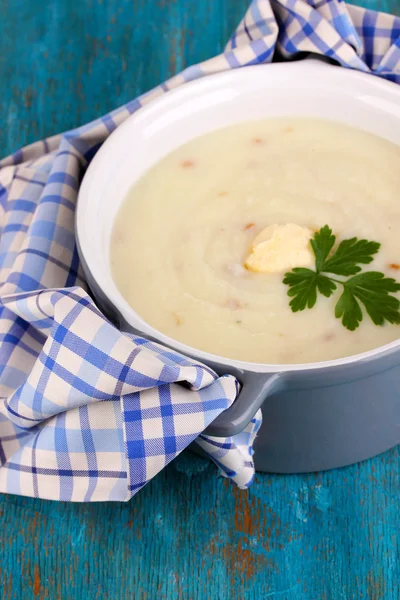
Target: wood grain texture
[(189, 535)]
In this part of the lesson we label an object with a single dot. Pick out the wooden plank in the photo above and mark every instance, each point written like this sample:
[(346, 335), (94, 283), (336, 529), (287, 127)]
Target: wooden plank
[(78, 60), (188, 535)]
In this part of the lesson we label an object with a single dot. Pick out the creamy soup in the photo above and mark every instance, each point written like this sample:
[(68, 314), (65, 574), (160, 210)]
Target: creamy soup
[(183, 235)]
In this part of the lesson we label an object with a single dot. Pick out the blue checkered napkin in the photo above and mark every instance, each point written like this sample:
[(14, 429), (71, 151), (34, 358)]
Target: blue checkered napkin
[(86, 412), (356, 38), (94, 414)]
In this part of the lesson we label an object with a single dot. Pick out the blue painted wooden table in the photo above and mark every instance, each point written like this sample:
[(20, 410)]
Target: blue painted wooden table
[(189, 535)]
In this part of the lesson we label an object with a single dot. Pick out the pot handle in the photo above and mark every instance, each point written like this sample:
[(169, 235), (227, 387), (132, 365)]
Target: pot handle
[(255, 388)]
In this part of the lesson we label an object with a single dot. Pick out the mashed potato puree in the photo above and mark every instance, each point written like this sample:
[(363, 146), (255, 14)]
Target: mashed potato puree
[(182, 237)]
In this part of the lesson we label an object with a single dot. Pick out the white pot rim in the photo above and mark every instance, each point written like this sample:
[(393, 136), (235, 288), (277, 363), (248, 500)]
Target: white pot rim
[(378, 95)]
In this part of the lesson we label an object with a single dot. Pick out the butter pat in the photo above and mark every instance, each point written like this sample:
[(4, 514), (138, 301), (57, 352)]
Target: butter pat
[(280, 248)]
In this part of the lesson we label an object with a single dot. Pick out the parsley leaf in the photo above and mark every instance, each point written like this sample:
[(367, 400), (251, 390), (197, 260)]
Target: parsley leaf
[(304, 284), (370, 289), (349, 309), (348, 254), (322, 244)]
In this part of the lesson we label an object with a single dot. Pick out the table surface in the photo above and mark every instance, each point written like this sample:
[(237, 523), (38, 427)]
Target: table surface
[(188, 535)]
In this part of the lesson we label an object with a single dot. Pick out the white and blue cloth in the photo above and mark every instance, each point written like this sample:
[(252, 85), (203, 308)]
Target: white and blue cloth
[(88, 413)]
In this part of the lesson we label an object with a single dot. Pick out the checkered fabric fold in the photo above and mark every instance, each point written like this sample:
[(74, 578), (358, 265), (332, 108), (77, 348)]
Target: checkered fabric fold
[(87, 412)]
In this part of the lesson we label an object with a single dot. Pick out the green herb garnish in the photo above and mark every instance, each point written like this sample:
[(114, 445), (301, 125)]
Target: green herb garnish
[(371, 288)]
